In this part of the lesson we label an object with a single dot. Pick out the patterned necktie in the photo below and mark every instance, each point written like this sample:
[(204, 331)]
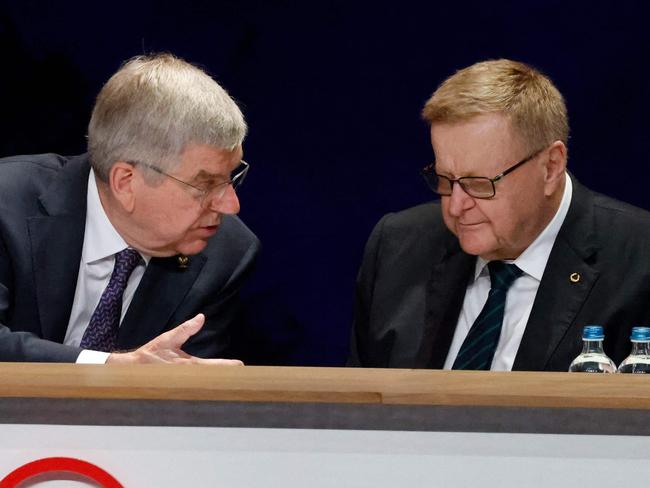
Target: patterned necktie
[(478, 348), (101, 333)]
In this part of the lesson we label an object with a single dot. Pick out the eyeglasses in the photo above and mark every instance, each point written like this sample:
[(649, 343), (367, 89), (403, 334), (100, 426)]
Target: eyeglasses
[(474, 186), (207, 195)]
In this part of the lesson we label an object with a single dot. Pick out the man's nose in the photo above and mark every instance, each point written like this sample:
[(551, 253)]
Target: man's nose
[(459, 200), (227, 204)]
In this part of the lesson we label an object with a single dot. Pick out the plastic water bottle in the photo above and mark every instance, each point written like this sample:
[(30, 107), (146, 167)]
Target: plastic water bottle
[(592, 359), (639, 359)]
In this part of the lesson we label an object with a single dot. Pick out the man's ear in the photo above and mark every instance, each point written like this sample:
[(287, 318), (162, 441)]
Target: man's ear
[(555, 167), (123, 180)]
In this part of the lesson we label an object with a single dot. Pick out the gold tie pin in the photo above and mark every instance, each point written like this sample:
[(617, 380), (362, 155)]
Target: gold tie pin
[(182, 261)]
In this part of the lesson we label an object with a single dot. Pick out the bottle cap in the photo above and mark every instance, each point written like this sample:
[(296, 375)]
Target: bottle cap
[(640, 334), (593, 333)]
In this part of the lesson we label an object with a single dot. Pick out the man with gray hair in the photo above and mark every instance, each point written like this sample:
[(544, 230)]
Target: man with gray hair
[(131, 253), (516, 258)]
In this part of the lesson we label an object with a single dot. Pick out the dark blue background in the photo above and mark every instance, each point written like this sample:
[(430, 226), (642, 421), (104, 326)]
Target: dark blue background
[(332, 91)]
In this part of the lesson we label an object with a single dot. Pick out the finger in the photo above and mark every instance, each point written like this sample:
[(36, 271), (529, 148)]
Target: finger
[(169, 356), (217, 362), (181, 333)]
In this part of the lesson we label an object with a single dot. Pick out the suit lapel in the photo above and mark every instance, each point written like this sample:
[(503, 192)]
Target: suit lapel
[(445, 295), (56, 240), (567, 281), (165, 284)]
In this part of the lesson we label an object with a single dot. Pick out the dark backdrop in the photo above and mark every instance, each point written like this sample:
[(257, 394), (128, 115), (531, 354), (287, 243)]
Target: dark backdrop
[(332, 91)]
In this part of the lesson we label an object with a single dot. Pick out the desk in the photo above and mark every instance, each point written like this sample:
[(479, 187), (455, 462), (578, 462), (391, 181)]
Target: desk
[(161, 425)]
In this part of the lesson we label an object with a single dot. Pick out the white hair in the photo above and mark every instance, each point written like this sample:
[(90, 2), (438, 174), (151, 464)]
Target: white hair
[(153, 108)]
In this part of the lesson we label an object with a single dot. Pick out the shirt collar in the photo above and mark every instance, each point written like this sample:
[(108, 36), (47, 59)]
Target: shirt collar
[(101, 240), (534, 258)]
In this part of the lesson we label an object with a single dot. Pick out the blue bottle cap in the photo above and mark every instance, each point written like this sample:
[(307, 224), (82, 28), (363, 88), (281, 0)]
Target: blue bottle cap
[(593, 333), (640, 334)]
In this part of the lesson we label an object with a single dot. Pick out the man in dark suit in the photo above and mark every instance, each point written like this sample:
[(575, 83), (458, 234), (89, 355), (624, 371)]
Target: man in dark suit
[(102, 256), (505, 271)]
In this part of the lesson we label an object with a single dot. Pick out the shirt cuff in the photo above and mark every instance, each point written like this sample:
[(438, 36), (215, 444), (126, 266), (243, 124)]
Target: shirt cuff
[(92, 357)]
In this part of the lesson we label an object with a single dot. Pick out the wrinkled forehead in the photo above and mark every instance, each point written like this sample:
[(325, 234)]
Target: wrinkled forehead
[(209, 162), (480, 145)]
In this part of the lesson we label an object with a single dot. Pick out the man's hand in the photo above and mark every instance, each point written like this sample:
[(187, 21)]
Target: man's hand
[(166, 348)]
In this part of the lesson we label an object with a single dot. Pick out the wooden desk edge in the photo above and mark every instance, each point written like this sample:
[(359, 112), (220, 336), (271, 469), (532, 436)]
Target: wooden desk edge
[(324, 385)]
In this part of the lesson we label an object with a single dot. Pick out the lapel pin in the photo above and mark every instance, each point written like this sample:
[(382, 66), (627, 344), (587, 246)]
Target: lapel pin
[(182, 261), (574, 277)]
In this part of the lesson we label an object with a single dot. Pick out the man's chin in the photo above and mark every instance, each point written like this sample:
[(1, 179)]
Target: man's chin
[(475, 247), (190, 248)]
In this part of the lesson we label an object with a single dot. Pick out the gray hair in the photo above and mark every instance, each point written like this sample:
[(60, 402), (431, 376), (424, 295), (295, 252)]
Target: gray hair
[(153, 108)]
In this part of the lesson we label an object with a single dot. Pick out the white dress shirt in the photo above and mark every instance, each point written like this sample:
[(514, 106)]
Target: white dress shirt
[(101, 243), (520, 297)]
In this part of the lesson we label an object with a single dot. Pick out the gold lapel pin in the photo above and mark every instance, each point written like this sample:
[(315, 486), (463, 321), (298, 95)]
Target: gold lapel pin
[(574, 277), (182, 261)]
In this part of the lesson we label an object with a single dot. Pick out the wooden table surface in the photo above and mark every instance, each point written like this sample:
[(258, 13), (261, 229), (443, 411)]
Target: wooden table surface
[(324, 385)]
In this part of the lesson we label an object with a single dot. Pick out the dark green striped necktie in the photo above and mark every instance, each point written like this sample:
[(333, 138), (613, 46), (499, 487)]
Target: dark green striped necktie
[(478, 348)]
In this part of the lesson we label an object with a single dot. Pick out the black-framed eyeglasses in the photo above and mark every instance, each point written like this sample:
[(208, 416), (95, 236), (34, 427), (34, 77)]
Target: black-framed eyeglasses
[(474, 186), (207, 195)]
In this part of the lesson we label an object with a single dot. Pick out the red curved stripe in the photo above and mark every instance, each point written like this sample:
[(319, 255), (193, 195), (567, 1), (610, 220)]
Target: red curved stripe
[(59, 464)]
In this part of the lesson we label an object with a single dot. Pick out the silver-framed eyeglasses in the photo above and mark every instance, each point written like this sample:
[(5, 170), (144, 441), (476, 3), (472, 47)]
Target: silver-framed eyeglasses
[(474, 186), (213, 193)]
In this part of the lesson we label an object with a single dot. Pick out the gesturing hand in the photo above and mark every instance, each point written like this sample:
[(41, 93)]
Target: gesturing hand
[(166, 348)]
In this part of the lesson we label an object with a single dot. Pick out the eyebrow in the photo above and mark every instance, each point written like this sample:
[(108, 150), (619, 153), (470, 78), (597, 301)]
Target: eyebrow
[(472, 174), (205, 176)]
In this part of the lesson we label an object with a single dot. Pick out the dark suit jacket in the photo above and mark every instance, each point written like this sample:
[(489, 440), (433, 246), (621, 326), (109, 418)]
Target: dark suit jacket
[(42, 221), (412, 282)]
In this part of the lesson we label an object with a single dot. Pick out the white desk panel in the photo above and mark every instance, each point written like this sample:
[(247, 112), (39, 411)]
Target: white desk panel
[(143, 457)]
